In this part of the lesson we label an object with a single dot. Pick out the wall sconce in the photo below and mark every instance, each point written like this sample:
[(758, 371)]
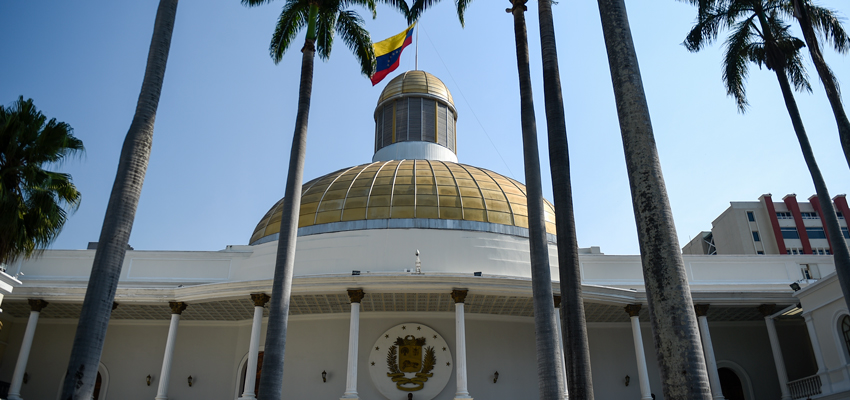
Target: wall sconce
[(324, 376), (26, 377), (148, 380), (795, 286), (190, 380), (495, 376), (627, 380)]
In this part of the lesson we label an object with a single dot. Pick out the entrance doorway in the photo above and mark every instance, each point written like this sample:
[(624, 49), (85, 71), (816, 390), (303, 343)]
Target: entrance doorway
[(731, 384), (257, 381)]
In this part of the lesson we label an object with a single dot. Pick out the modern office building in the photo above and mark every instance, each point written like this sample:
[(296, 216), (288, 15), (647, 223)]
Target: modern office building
[(769, 227)]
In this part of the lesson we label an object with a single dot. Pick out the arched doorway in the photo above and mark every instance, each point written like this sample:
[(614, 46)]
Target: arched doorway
[(730, 383), (244, 374)]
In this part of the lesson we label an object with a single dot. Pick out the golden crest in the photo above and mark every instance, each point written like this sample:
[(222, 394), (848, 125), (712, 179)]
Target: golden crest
[(405, 357)]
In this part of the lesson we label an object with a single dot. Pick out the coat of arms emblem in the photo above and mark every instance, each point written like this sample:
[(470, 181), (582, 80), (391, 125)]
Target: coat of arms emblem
[(410, 363)]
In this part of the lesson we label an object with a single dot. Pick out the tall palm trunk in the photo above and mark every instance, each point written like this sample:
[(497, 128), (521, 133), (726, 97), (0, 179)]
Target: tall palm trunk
[(120, 213), (826, 76), (573, 324), (271, 380), (549, 376), (671, 311), (841, 254)]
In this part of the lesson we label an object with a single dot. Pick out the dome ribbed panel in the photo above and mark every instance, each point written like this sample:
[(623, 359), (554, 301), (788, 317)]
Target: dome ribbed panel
[(416, 82), (409, 189)]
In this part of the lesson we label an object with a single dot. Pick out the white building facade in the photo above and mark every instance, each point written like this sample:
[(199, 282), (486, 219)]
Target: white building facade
[(412, 281)]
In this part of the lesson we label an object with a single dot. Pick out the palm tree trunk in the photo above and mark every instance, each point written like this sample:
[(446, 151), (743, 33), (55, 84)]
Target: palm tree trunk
[(841, 254), (271, 380), (549, 376), (826, 76), (671, 311), (573, 324), (120, 213)]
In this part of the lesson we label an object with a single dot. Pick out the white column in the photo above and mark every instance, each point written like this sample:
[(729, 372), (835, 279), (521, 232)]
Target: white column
[(643, 377), (355, 296), (708, 349), (36, 306), (176, 309), (781, 374), (260, 300), (561, 347), (813, 336), (460, 329)]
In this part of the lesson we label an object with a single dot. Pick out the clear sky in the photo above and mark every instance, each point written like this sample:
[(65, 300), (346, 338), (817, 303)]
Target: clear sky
[(226, 115)]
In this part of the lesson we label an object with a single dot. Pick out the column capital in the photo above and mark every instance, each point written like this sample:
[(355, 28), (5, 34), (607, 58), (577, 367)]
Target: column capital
[(701, 309), (767, 310), (459, 295), (632, 309), (356, 295), (557, 299), (260, 299), (37, 304), (177, 307)]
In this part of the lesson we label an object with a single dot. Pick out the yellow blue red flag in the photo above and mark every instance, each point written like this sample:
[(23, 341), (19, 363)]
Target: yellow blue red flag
[(388, 53)]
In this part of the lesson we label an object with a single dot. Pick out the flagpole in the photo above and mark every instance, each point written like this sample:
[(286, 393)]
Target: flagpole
[(417, 47)]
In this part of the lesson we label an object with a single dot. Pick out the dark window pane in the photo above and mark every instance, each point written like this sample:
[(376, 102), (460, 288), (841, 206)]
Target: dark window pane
[(790, 233), (756, 236), (816, 233), (750, 216)]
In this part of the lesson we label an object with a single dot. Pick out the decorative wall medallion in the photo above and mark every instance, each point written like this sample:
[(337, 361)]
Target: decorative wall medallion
[(410, 358)]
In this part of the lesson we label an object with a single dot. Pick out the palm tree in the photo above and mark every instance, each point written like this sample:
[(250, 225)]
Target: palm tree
[(549, 376), (32, 199), (811, 18), (573, 324), (671, 312), (120, 213), (759, 35), (323, 19)]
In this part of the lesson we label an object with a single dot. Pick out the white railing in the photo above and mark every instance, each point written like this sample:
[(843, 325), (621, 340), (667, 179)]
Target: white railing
[(805, 388)]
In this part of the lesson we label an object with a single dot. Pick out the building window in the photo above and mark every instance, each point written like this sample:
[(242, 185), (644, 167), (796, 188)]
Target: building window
[(760, 252), (756, 236), (846, 233), (840, 215), (790, 233), (816, 233), (784, 215), (750, 216), (845, 332), (809, 215)]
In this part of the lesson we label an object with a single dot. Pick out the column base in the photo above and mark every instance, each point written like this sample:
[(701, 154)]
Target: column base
[(349, 397), (463, 397), (646, 398), (251, 397), (160, 398), (14, 397)]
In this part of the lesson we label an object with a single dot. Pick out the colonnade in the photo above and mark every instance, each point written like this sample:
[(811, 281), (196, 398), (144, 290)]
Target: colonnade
[(462, 391)]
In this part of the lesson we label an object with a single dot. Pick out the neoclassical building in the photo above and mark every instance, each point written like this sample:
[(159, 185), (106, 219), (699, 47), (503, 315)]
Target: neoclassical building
[(412, 280)]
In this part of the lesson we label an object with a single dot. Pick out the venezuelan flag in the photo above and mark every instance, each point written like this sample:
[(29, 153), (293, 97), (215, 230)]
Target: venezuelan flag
[(388, 52)]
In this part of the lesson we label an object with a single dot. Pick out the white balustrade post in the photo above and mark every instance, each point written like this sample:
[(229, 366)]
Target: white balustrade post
[(781, 374), (708, 349), (561, 347), (643, 376), (36, 305), (176, 309), (355, 295), (260, 300), (459, 297)]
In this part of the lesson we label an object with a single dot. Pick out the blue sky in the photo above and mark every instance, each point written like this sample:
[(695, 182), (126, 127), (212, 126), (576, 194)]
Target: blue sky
[(226, 116)]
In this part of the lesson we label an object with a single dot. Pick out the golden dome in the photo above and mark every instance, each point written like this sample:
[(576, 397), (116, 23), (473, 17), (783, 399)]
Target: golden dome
[(408, 189), (418, 82)]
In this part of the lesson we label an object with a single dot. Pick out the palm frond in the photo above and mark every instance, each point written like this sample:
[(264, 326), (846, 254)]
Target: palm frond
[(827, 22), (739, 50), (419, 6), (353, 33), (254, 3), (292, 19), (325, 32)]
